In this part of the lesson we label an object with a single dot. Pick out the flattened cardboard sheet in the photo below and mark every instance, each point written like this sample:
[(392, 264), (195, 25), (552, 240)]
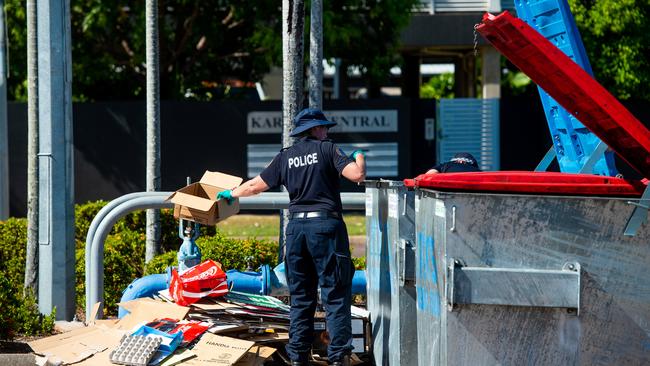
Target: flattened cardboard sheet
[(218, 350), (256, 356), (78, 345), (145, 310)]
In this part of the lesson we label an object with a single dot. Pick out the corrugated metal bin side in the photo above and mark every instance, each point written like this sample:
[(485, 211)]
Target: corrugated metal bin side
[(377, 271), (559, 283), (402, 340), (428, 288)]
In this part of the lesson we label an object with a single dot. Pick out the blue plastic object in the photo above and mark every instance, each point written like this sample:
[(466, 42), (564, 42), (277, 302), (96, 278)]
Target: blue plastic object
[(359, 283), (189, 254), (572, 141), (273, 282), (143, 287), (258, 283), (169, 342)]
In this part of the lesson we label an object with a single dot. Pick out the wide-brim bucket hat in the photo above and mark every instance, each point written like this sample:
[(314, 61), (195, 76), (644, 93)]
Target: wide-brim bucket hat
[(309, 118)]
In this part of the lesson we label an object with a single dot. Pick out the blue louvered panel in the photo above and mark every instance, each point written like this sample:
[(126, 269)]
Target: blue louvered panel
[(469, 125)]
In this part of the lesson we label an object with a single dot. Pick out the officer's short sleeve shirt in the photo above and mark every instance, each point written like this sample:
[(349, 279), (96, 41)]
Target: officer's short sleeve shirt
[(341, 160), (271, 175), (311, 172)]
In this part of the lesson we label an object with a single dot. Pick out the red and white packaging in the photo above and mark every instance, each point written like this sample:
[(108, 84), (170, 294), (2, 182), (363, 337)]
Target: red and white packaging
[(191, 329), (203, 280)]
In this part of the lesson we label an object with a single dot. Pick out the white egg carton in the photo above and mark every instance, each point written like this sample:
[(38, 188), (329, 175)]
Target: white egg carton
[(135, 350)]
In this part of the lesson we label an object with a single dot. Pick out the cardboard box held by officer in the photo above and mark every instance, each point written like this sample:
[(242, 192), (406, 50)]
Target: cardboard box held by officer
[(198, 201)]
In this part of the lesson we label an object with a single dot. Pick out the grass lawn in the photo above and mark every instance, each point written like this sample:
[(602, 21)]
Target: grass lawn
[(268, 225)]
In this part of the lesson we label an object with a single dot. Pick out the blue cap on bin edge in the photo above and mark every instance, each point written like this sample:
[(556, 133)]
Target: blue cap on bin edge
[(308, 118)]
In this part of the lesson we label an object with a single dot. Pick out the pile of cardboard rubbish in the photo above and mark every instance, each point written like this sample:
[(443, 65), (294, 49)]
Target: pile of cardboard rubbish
[(236, 329)]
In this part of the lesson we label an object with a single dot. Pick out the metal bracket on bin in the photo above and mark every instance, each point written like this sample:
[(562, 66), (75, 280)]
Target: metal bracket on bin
[(381, 183), (640, 213), (406, 263), (514, 286)]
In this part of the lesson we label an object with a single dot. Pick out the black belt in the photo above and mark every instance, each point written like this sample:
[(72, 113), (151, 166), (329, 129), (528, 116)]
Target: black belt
[(315, 214)]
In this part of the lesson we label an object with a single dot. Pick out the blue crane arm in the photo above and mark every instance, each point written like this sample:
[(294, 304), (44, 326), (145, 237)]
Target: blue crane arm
[(577, 149)]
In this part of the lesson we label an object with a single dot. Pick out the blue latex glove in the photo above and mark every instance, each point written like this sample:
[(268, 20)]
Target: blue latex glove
[(227, 195), (354, 154)]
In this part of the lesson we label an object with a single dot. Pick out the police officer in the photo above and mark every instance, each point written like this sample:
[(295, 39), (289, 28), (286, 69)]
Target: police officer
[(317, 246), (461, 162)]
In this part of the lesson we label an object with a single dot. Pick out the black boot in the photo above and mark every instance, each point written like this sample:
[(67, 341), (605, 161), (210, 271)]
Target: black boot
[(299, 363), (343, 362)]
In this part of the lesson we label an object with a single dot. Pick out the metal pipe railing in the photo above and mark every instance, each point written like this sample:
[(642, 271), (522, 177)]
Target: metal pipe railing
[(121, 206), (95, 279), (98, 219)]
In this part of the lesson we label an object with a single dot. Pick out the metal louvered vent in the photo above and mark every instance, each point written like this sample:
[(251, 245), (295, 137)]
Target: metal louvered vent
[(469, 125), (447, 6), (464, 5), (381, 158)]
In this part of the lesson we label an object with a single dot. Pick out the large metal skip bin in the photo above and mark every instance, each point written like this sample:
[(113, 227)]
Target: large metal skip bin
[(550, 271), (390, 270), (518, 279)]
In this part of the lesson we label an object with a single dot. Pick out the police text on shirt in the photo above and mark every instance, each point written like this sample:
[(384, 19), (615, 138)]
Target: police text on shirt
[(308, 159)]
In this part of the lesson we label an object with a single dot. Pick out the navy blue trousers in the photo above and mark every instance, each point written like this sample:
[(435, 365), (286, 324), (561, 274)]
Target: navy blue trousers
[(318, 254)]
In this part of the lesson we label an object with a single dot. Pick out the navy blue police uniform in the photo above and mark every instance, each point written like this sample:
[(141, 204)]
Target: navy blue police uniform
[(317, 245)]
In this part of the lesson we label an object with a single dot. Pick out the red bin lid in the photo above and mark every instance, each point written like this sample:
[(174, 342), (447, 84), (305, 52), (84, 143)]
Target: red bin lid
[(523, 182), (571, 86)]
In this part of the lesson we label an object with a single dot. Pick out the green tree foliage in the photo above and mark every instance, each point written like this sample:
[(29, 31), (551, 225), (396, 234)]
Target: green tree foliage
[(515, 82), (366, 33), (16, 18), (615, 34), (438, 87), (205, 47)]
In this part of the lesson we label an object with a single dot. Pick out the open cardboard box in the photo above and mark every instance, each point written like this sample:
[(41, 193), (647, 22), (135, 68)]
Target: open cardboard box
[(198, 201)]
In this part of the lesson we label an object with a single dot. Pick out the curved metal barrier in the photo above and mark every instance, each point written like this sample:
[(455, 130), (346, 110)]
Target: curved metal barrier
[(121, 206), (95, 223)]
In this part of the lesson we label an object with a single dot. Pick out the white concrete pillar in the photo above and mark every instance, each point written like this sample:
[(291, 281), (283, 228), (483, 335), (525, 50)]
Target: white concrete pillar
[(494, 6), (491, 72)]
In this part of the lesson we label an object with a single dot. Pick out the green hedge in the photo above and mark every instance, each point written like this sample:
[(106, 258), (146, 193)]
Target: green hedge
[(13, 236), (231, 253), (19, 313)]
